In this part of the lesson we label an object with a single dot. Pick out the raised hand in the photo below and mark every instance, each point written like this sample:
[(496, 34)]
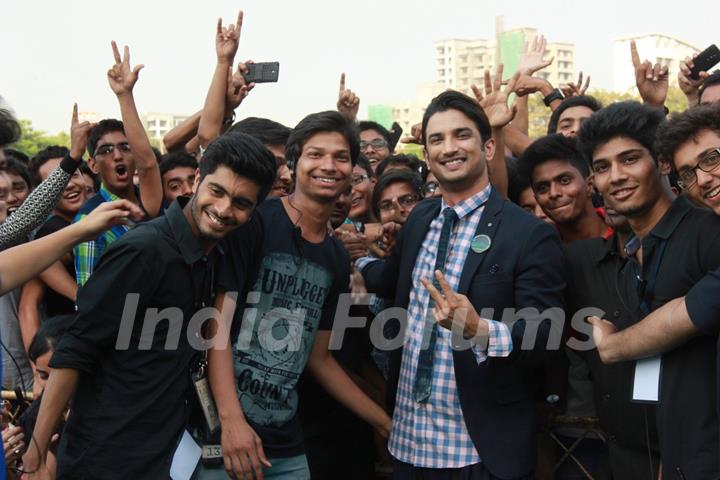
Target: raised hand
[(227, 40), (121, 77), (454, 308), (531, 60), (495, 100), (238, 88), (575, 89), (415, 135), (689, 86), (348, 103), (651, 80), (78, 135)]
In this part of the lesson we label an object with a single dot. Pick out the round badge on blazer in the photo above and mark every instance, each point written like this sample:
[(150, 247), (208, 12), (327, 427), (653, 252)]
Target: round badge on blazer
[(480, 243)]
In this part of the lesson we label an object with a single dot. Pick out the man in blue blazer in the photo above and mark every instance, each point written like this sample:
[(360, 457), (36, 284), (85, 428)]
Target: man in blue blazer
[(477, 265)]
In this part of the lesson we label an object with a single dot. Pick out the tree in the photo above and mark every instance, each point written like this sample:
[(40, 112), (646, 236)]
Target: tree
[(32, 141), (540, 114)]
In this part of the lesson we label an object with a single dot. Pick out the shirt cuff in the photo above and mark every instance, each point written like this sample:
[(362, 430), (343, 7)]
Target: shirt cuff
[(363, 262), (499, 342), (69, 164)]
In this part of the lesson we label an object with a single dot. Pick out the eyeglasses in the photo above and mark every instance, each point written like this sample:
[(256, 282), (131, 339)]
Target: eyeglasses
[(109, 148), (376, 144), (430, 188), (358, 179), (708, 163), (406, 201)]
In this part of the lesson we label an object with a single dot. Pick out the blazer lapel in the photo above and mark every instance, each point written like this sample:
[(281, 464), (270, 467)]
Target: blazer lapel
[(488, 225)]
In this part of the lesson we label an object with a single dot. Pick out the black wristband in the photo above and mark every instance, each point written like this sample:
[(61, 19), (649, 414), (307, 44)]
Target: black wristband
[(69, 164), (556, 94)]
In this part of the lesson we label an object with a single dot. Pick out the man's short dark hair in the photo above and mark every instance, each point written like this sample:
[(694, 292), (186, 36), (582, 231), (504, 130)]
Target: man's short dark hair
[(18, 168), (10, 130), (17, 155), (681, 127), (176, 160), (577, 101), (633, 120), (41, 158), (713, 79), (245, 156), (364, 163), (48, 335), (329, 121), (384, 132), (104, 126), (395, 176), (452, 100), (85, 170), (409, 161), (552, 147), (267, 131)]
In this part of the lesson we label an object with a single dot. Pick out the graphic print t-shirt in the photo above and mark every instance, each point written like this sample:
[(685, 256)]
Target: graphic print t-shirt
[(288, 288)]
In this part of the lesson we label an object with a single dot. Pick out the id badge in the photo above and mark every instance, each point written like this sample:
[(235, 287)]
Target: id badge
[(211, 452), (202, 388)]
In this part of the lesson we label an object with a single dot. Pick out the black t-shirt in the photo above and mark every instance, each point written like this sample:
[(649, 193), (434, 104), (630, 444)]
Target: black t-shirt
[(130, 343), (55, 303), (687, 417), (288, 289)]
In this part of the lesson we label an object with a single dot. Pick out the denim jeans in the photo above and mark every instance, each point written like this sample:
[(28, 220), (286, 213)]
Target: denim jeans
[(288, 468)]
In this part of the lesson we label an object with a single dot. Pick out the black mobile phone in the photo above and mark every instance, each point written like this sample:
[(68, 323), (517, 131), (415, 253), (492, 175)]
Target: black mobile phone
[(707, 59), (263, 72)]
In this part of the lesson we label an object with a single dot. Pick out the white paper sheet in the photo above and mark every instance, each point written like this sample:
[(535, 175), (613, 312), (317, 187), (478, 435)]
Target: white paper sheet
[(646, 385), (187, 455)]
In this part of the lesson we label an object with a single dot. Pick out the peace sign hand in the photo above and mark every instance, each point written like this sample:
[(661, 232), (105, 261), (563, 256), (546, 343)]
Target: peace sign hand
[(454, 308), (121, 77)]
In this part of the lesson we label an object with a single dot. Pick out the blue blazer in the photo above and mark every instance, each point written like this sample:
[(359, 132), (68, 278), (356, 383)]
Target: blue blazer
[(524, 267)]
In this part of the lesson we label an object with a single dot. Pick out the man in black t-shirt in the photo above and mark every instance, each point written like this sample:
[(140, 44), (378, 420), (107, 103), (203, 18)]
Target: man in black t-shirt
[(289, 275), (675, 247), (128, 368)]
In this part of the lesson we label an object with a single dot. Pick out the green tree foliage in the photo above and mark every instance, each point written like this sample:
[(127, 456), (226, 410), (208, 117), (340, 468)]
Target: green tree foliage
[(32, 141), (540, 114)]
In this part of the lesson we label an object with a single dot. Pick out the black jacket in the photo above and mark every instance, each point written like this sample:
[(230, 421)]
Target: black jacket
[(522, 268)]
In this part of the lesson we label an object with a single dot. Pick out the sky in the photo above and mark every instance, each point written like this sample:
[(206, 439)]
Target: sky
[(54, 53)]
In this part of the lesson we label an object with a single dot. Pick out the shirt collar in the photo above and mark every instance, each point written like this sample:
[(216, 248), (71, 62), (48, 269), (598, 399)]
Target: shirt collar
[(107, 194), (672, 218), (469, 205), (187, 242)]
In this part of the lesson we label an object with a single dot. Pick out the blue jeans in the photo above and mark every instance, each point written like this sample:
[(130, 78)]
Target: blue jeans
[(288, 468)]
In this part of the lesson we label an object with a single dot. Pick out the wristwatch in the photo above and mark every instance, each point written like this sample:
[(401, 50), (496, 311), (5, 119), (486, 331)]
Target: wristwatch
[(556, 94)]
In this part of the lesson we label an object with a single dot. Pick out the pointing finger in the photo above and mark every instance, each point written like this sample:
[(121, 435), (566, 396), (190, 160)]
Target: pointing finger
[(342, 82), (74, 120), (634, 54)]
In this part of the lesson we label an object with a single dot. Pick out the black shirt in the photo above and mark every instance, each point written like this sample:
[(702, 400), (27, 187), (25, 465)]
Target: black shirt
[(130, 405), (55, 303), (600, 278), (294, 287), (686, 415)]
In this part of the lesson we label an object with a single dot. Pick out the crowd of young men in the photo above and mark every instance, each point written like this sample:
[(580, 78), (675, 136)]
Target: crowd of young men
[(308, 303)]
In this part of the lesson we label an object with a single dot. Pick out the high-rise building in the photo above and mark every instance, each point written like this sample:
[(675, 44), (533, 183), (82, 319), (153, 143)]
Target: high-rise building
[(461, 62), (655, 47), (157, 125)]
